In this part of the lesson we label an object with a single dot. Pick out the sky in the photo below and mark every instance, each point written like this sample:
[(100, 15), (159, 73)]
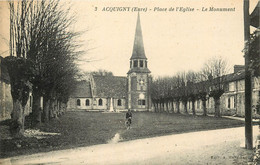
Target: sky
[(174, 41)]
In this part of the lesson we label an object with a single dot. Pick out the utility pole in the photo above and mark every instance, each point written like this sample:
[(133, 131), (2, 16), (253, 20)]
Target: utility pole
[(248, 89)]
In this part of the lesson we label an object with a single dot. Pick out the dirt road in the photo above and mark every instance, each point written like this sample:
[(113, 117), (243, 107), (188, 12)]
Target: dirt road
[(223, 146)]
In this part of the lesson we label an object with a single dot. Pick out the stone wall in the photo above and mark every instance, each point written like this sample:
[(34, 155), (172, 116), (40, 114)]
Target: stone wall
[(6, 101)]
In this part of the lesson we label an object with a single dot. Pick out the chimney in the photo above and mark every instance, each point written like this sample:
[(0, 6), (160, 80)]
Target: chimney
[(238, 68)]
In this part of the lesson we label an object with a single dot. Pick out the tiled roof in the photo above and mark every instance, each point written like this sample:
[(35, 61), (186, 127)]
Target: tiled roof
[(4, 76), (110, 86), (83, 89), (234, 76)]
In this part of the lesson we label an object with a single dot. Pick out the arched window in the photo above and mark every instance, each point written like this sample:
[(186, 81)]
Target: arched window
[(141, 63), (78, 102), (119, 102), (135, 63), (100, 102), (87, 102)]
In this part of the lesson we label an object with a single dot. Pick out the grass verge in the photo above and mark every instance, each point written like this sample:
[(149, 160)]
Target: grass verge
[(79, 129)]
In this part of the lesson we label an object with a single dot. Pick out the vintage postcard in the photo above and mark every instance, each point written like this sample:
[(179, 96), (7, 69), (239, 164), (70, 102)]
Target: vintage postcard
[(129, 82)]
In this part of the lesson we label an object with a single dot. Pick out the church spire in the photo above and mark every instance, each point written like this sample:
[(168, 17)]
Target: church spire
[(138, 49)]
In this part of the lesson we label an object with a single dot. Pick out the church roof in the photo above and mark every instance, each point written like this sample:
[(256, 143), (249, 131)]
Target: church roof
[(138, 49), (83, 89), (110, 86)]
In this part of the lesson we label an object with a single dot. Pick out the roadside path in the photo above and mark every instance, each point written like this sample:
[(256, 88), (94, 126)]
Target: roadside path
[(223, 146)]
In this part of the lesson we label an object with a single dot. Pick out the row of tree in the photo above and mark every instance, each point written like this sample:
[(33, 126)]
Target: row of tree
[(191, 86), (42, 59)]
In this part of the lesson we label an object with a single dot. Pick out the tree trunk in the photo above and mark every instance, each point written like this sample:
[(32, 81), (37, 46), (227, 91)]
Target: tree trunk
[(17, 126), (55, 109), (193, 107), (204, 107), (46, 110), (51, 108), (185, 107), (163, 107), (167, 106), (36, 109), (172, 107), (178, 106), (217, 107)]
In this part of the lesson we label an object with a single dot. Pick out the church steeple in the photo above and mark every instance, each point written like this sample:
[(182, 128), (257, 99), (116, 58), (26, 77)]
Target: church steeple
[(138, 49), (138, 60), (139, 79)]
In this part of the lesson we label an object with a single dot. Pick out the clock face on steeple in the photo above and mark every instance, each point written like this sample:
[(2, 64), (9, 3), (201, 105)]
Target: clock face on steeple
[(141, 96), (141, 82)]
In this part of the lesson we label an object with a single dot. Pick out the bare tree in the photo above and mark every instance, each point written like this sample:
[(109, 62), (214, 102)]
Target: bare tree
[(213, 71), (53, 52), (19, 68), (42, 54)]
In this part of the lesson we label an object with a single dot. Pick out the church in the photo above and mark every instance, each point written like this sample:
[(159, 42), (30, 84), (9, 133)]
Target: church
[(114, 93)]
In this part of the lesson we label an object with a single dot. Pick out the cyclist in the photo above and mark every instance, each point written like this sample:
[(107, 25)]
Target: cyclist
[(128, 119)]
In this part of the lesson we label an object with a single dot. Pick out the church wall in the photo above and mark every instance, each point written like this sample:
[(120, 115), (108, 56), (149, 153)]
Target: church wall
[(123, 105), (97, 106), (72, 104)]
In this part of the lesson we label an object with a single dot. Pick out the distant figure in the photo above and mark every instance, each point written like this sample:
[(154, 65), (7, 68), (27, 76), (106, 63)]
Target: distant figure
[(128, 119)]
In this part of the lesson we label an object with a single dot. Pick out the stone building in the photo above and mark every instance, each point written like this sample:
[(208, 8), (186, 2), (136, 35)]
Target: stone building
[(114, 93)]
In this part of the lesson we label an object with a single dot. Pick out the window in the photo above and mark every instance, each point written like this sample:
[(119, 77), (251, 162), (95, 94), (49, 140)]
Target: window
[(100, 102), (230, 102), (141, 102), (141, 63), (241, 85), (130, 64), (231, 86), (87, 102), (135, 63), (146, 64), (119, 102), (78, 102), (256, 84)]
